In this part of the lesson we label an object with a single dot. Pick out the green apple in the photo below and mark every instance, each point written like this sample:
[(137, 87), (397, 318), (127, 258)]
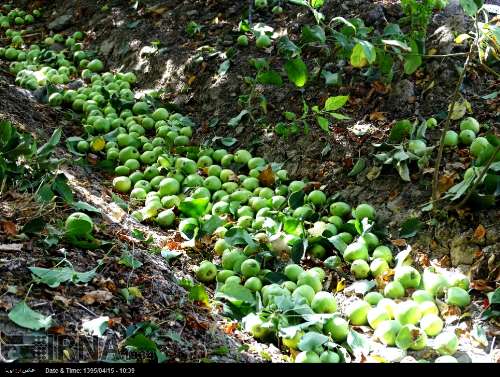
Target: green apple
[(389, 305), (324, 302), (376, 316), (310, 278), (337, 328), (329, 357), (304, 291), (471, 124), (364, 210), (378, 266), (382, 252), (250, 267), (421, 296), (408, 312), (387, 331), (222, 275), (434, 282), (253, 283), (408, 276), (292, 272), (431, 324), (428, 307), (253, 324), (355, 250), (457, 296), (340, 209), (206, 272), (309, 357), (446, 343), (394, 290), (358, 312), (373, 298), (360, 268), (411, 337), (293, 342)]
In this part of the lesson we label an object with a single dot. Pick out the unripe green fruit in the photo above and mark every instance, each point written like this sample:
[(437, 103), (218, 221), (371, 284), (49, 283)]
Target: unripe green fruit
[(309, 357), (387, 331), (451, 139), (376, 316), (329, 357), (250, 267), (378, 266), (310, 278), (394, 290), (263, 41), (467, 137), (364, 210), (242, 40), (382, 252), (305, 291), (457, 296), (324, 302), (337, 328), (411, 337), (206, 272), (356, 250), (360, 268), (408, 276), (446, 343), (358, 312), (421, 296), (470, 124), (408, 312), (431, 324)]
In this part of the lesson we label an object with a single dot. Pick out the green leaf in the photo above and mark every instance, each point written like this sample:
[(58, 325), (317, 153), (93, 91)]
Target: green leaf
[(82, 206), (54, 277), (170, 254), (287, 48), (270, 78), (311, 340), (297, 72), (128, 260), (412, 60), (33, 226), (410, 227), (339, 116), (296, 199), (470, 7), (358, 58), (358, 343), (396, 43), (119, 202), (46, 149), (369, 51), (312, 34), (97, 326), (236, 294), (335, 103), (358, 167), (6, 132), (298, 251), (238, 236), (194, 207), (228, 141), (141, 343), (209, 226), (233, 122), (224, 67), (317, 3), (403, 170), (331, 78), (323, 123), (198, 293), (22, 315), (61, 187)]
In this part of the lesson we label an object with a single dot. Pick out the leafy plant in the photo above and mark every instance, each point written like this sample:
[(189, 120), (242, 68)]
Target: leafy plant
[(406, 144), (192, 28), (22, 164)]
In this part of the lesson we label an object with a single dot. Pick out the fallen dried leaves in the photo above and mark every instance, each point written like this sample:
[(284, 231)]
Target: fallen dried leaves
[(98, 296)]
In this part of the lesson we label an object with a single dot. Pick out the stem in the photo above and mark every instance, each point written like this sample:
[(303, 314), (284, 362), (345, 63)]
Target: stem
[(455, 97), (478, 180)]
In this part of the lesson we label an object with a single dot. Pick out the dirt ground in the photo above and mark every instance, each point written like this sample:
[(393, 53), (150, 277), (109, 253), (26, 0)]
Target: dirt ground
[(151, 41)]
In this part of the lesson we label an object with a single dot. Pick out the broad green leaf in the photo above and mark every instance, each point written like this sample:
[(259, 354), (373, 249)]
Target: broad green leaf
[(358, 167), (297, 72), (311, 34), (140, 342), (339, 116), (358, 58), (335, 103), (323, 123), (209, 226), (228, 141), (82, 206), (238, 236), (358, 343), (296, 199), (471, 7), (331, 78), (194, 207), (369, 51), (393, 42), (403, 170), (53, 277), (127, 259), (224, 67), (311, 340), (298, 251), (61, 187), (410, 227), (412, 60), (236, 294), (49, 146), (22, 315), (198, 293), (170, 254), (233, 122), (6, 132), (287, 48), (270, 78), (317, 3)]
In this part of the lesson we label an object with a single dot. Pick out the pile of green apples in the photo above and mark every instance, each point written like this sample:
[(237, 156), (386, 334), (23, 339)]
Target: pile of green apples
[(260, 220)]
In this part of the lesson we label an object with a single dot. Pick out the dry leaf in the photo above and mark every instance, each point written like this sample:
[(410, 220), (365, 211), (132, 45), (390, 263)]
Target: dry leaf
[(377, 115), (446, 181), (57, 330), (340, 285), (230, 327), (9, 228), (400, 242), (63, 300), (98, 296), (266, 176), (480, 232)]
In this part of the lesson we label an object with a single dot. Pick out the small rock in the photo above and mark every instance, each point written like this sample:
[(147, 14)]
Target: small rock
[(460, 253), (61, 22), (403, 92)]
